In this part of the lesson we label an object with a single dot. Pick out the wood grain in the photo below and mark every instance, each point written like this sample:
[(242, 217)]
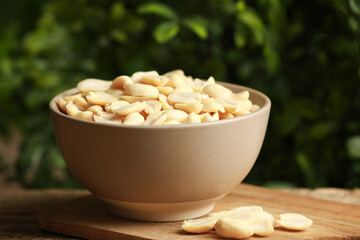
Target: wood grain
[(88, 218)]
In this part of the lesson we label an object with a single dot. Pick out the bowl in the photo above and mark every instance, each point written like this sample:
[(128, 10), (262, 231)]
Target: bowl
[(162, 173)]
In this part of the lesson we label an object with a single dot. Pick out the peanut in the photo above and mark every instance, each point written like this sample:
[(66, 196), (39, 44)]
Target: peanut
[(112, 106), (134, 119), (193, 118), (95, 108), (217, 91), (152, 106), (154, 80), (234, 228), (130, 108), (87, 115), (93, 85), (115, 92), (294, 221), (184, 97), (164, 102), (157, 118), (136, 77), (165, 90), (178, 115), (141, 90), (201, 225), (210, 105), (100, 98), (121, 81)]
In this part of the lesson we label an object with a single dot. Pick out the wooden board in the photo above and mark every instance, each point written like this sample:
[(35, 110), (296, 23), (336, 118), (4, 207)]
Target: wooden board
[(87, 217)]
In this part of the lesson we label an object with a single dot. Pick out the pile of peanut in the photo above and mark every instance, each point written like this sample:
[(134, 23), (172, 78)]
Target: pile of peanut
[(243, 222), (147, 98)]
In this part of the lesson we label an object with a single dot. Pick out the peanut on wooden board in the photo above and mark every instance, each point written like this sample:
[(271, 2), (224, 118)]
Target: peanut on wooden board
[(245, 221), (148, 98)]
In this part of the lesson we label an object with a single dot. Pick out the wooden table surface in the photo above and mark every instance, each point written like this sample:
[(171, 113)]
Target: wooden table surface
[(19, 208)]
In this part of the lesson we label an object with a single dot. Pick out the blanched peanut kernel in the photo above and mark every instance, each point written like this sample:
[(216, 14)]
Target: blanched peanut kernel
[(178, 115), (104, 117), (165, 90), (245, 215), (266, 215), (112, 106), (157, 118), (95, 108), (62, 104), (176, 81), (263, 227), (201, 225), (152, 106), (134, 119), (193, 118), (164, 102), (195, 107), (72, 109), (137, 76), (93, 85), (154, 80), (100, 98), (115, 92), (294, 221), (130, 108), (225, 115), (175, 72), (121, 81), (207, 117), (183, 89), (234, 228), (87, 115), (217, 91), (184, 97), (230, 105), (210, 105), (141, 90), (254, 108), (243, 96)]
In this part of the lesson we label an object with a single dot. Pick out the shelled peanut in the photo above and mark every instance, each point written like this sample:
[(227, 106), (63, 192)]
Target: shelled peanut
[(147, 98), (243, 222)]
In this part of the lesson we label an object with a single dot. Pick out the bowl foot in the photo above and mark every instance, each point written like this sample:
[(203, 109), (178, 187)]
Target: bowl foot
[(161, 212)]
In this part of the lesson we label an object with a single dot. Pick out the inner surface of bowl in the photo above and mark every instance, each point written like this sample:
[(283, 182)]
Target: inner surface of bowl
[(170, 164)]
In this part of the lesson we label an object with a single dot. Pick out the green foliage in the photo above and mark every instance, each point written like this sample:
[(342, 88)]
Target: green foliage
[(307, 62)]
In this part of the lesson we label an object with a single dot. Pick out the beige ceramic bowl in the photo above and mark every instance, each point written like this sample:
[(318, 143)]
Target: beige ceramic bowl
[(162, 173)]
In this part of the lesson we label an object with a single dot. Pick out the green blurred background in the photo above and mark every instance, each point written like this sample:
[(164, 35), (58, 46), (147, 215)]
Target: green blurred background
[(303, 54)]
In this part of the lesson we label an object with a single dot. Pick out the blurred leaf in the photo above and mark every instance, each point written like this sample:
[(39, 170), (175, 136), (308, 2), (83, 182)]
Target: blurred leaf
[(198, 26), (240, 6), (239, 38), (119, 36), (355, 6), (166, 31), (255, 24), (306, 167), (353, 146), (321, 130), (117, 11), (158, 9)]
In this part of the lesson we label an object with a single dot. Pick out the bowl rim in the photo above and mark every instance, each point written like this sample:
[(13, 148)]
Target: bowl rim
[(55, 109)]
